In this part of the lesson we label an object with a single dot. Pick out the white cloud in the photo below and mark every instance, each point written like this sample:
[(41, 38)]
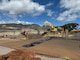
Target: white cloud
[(72, 11), (47, 23), (70, 3), (23, 22), (22, 6), (50, 13), (49, 4), (17, 22)]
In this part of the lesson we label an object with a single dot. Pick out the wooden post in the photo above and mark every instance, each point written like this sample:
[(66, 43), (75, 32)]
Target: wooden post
[(63, 32), (66, 33), (26, 35)]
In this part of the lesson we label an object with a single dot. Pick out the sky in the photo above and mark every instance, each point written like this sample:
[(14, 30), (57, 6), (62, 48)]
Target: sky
[(57, 12)]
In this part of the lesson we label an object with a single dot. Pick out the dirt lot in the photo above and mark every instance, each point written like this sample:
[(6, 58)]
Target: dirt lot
[(55, 47)]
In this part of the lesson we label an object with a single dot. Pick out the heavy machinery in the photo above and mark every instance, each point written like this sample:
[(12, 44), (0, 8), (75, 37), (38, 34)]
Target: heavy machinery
[(49, 29), (48, 26)]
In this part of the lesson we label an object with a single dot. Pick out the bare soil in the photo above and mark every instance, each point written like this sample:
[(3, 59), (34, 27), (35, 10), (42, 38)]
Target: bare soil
[(55, 47)]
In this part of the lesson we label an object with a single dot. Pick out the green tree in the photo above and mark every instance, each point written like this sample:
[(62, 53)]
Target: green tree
[(70, 26)]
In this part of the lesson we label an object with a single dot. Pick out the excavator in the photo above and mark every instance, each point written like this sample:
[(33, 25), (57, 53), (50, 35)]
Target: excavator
[(53, 28), (48, 27)]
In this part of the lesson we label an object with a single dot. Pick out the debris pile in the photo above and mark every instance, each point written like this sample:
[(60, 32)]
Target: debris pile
[(20, 55)]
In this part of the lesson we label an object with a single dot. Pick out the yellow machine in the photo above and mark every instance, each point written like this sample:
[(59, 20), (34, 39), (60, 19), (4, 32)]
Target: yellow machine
[(53, 29), (50, 30)]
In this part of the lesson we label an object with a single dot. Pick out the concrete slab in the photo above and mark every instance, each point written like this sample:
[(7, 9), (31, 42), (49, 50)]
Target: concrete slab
[(5, 50)]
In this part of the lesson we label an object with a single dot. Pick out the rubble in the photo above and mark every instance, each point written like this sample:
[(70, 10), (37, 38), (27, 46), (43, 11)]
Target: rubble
[(19, 55)]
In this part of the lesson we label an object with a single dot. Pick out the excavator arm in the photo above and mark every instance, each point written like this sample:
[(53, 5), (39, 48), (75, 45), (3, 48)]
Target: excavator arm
[(53, 28)]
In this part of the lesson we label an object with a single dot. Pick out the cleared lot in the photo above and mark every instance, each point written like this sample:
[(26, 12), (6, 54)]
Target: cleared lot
[(56, 47)]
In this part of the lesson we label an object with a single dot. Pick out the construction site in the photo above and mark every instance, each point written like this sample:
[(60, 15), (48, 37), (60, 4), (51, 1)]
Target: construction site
[(39, 29), (36, 43)]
